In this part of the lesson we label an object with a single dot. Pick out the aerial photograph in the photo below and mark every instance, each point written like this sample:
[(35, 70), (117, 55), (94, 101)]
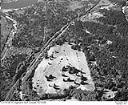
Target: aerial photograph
[(64, 50)]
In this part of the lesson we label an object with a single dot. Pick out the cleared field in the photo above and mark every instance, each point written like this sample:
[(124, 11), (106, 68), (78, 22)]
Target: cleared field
[(65, 67)]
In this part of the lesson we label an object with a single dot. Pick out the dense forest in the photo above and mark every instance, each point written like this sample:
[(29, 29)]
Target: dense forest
[(106, 44)]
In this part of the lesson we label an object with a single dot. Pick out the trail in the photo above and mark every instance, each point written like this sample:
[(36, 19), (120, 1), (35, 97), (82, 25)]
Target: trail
[(10, 38)]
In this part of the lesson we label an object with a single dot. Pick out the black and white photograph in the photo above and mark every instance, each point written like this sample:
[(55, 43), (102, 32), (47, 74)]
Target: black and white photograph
[(64, 51)]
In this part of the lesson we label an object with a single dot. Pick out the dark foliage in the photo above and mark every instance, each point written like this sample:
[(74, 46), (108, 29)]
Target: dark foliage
[(8, 71), (11, 63), (119, 2), (112, 17), (112, 59)]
